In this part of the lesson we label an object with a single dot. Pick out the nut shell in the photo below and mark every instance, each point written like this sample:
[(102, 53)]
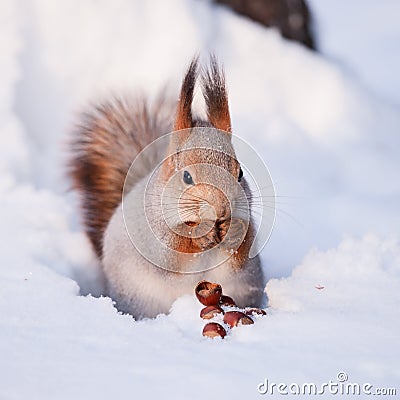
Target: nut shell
[(254, 311), (212, 330), (227, 301), (210, 312), (235, 318), (208, 293)]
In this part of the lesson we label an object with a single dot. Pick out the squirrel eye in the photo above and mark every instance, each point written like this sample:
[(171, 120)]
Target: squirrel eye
[(240, 175), (187, 178)]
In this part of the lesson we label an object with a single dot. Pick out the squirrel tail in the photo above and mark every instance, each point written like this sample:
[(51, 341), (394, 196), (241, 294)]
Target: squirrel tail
[(105, 143)]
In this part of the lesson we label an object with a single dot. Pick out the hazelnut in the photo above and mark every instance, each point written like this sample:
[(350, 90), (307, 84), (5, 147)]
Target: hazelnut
[(210, 312), (227, 301), (253, 311), (212, 329), (208, 293), (235, 318)]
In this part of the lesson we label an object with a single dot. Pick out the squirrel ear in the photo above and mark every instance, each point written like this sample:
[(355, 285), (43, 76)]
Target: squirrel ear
[(183, 119), (216, 97)]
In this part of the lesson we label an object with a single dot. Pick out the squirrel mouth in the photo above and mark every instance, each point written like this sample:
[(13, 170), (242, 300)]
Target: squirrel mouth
[(214, 235), (228, 233), (191, 223)]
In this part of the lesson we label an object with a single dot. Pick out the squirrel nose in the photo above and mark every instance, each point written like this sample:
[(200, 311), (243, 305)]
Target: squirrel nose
[(214, 212), (207, 212)]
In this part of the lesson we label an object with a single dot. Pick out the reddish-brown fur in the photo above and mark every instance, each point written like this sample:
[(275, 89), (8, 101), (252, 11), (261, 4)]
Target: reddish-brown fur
[(215, 94), (106, 142), (183, 118)]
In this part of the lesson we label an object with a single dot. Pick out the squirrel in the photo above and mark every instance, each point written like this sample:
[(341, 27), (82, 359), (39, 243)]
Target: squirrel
[(105, 143)]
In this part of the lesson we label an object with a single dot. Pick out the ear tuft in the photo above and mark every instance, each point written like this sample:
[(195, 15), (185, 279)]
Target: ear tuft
[(183, 119), (216, 97)]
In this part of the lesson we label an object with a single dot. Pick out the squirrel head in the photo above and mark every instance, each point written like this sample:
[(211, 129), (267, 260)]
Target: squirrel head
[(202, 179)]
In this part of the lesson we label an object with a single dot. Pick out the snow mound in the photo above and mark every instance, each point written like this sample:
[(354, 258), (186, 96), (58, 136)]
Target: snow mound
[(359, 277)]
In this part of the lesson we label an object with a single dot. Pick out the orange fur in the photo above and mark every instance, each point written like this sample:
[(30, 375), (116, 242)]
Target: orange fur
[(106, 142), (183, 119), (215, 94)]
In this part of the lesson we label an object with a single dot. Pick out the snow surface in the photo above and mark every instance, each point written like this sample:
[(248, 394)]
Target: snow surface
[(328, 128)]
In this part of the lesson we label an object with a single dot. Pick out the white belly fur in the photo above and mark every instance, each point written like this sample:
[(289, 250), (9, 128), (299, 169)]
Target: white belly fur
[(145, 290)]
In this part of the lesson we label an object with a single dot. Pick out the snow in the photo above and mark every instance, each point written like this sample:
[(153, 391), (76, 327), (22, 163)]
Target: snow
[(348, 33), (327, 126)]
